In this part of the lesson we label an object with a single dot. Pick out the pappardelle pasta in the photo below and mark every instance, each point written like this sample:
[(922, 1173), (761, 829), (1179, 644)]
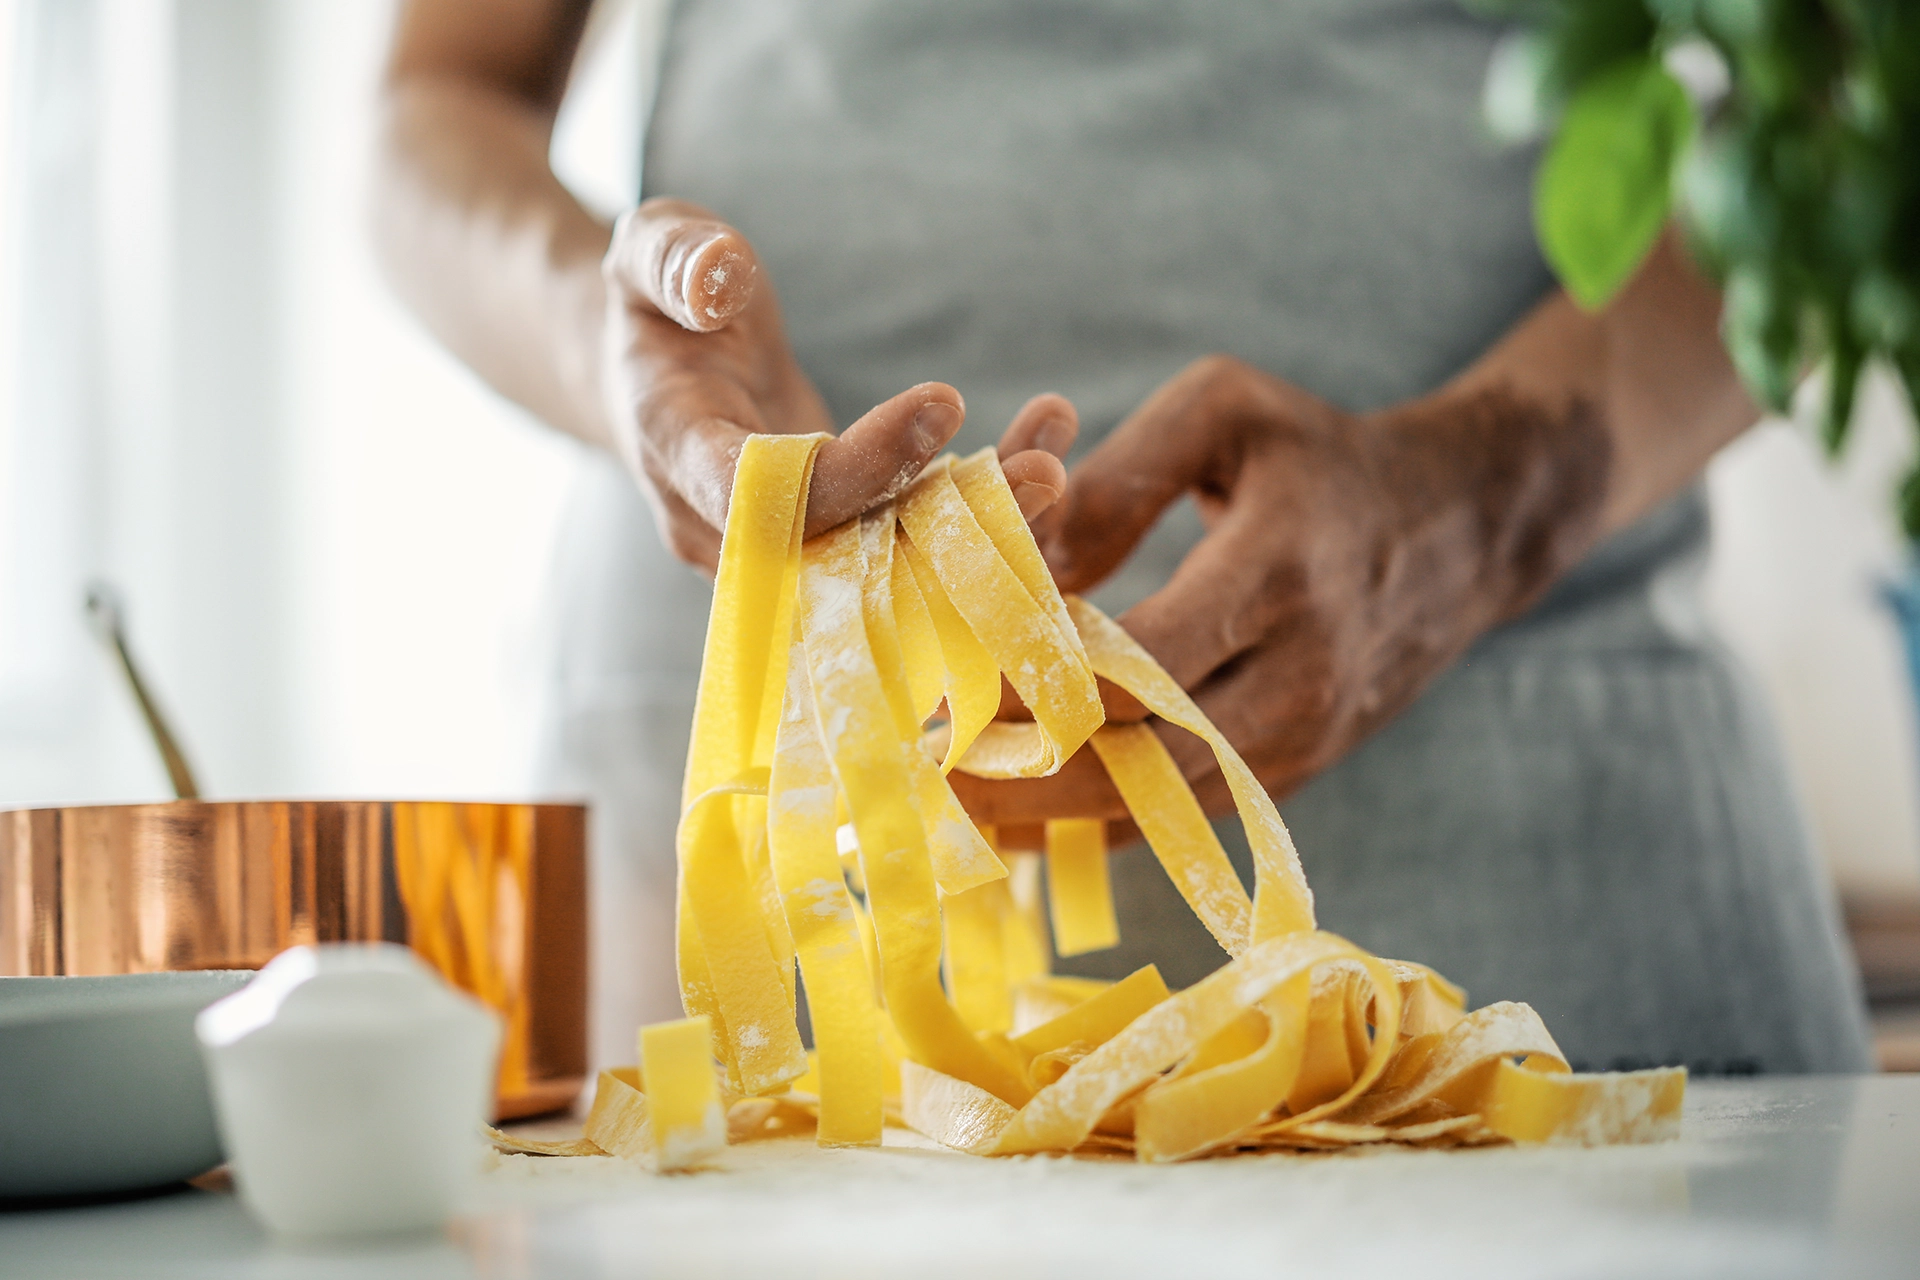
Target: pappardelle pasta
[(818, 829)]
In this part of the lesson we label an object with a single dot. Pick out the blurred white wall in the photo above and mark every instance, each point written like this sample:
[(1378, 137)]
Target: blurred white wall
[(332, 538), (1801, 549), (422, 506)]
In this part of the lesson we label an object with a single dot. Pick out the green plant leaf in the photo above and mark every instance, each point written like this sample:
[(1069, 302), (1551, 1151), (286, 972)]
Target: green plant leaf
[(1603, 190), (1910, 505), (1733, 215), (1760, 321), (1844, 364)]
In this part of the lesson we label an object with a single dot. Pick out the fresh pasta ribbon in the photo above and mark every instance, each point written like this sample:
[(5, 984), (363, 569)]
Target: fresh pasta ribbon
[(1023, 929), (972, 681), (1078, 888), (818, 829), (961, 856), (962, 519), (1191, 1110), (1177, 831), (821, 913), (1582, 1110), (976, 964), (686, 1121), (1281, 900), (1094, 1020), (870, 763), (730, 967)]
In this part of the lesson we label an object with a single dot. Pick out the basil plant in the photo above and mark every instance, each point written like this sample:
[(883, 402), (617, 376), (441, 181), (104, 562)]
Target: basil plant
[(1791, 157)]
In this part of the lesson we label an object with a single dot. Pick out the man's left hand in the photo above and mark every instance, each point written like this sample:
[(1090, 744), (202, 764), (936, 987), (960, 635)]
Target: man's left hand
[(1348, 559)]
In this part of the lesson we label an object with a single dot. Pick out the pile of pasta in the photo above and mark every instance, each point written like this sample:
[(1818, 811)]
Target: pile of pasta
[(819, 828)]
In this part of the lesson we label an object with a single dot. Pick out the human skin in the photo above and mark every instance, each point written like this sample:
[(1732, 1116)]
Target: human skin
[(1349, 557), (658, 338)]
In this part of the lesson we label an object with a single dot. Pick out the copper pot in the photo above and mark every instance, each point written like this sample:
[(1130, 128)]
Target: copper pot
[(492, 895)]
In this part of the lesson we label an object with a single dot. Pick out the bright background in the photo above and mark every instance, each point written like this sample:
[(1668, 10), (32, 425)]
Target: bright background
[(332, 540)]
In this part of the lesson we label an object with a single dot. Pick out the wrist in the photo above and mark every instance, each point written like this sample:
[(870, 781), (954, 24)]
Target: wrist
[(1512, 489)]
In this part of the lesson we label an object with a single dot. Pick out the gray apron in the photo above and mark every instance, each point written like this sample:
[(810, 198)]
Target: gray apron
[(1588, 813)]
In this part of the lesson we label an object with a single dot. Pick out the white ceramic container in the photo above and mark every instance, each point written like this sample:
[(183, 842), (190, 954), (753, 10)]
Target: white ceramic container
[(349, 1083)]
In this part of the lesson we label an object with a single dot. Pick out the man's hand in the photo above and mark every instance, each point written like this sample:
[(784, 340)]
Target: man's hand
[(696, 360), (659, 339), (1348, 559)]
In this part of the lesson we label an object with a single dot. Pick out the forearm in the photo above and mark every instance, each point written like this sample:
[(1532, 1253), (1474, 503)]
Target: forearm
[(489, 249), (1583, 423)]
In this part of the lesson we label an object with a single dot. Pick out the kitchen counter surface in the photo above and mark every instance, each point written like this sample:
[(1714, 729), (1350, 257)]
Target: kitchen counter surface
[(1772, 1177)]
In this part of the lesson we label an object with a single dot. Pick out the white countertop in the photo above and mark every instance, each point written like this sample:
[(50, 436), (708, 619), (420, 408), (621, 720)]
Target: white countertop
[(1772, 1177)]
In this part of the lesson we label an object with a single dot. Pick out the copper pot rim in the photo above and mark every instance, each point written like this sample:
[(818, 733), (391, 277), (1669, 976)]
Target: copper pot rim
[(104, 890), (204, 805)]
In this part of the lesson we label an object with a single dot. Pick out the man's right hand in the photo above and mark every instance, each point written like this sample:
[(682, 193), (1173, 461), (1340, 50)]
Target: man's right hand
[(696, 360)]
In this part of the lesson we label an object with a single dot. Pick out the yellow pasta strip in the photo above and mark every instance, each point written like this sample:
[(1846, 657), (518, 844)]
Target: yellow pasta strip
[(512, 1144), (1072, 989), (750, 819), (919, 639), (869, 761), (1047, 668), (688, 1124), (1054, 1063), (1100, 1018), (823, 664), (1584, 1110), (972, 678), (1061, 1115), (1502, 1030), (1281, 900), (617, 1122), (761, 1040), (736, 976), (960, 855), (1177, 831), (697, 996), (1078, 890), (870, 950), (1430, 1003), (1038, 1001), (1236, 1040), (1327, 1069), (953, 1112), (1024, 930), (1185, 1114), (821, 913), (979, 479), (976, 955)]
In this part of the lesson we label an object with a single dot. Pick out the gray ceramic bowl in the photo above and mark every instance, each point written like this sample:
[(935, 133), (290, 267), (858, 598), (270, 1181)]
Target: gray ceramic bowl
[(104, 1089)]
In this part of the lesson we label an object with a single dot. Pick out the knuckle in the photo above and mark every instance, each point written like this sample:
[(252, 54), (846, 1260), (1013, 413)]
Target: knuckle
[(1235, 391), (1219, 369), (686, 542)]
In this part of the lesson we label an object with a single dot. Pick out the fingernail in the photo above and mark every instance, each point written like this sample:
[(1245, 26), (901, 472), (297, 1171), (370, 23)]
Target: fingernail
[(724, 280), (935, 424), (703, 283), (1033, 498)]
